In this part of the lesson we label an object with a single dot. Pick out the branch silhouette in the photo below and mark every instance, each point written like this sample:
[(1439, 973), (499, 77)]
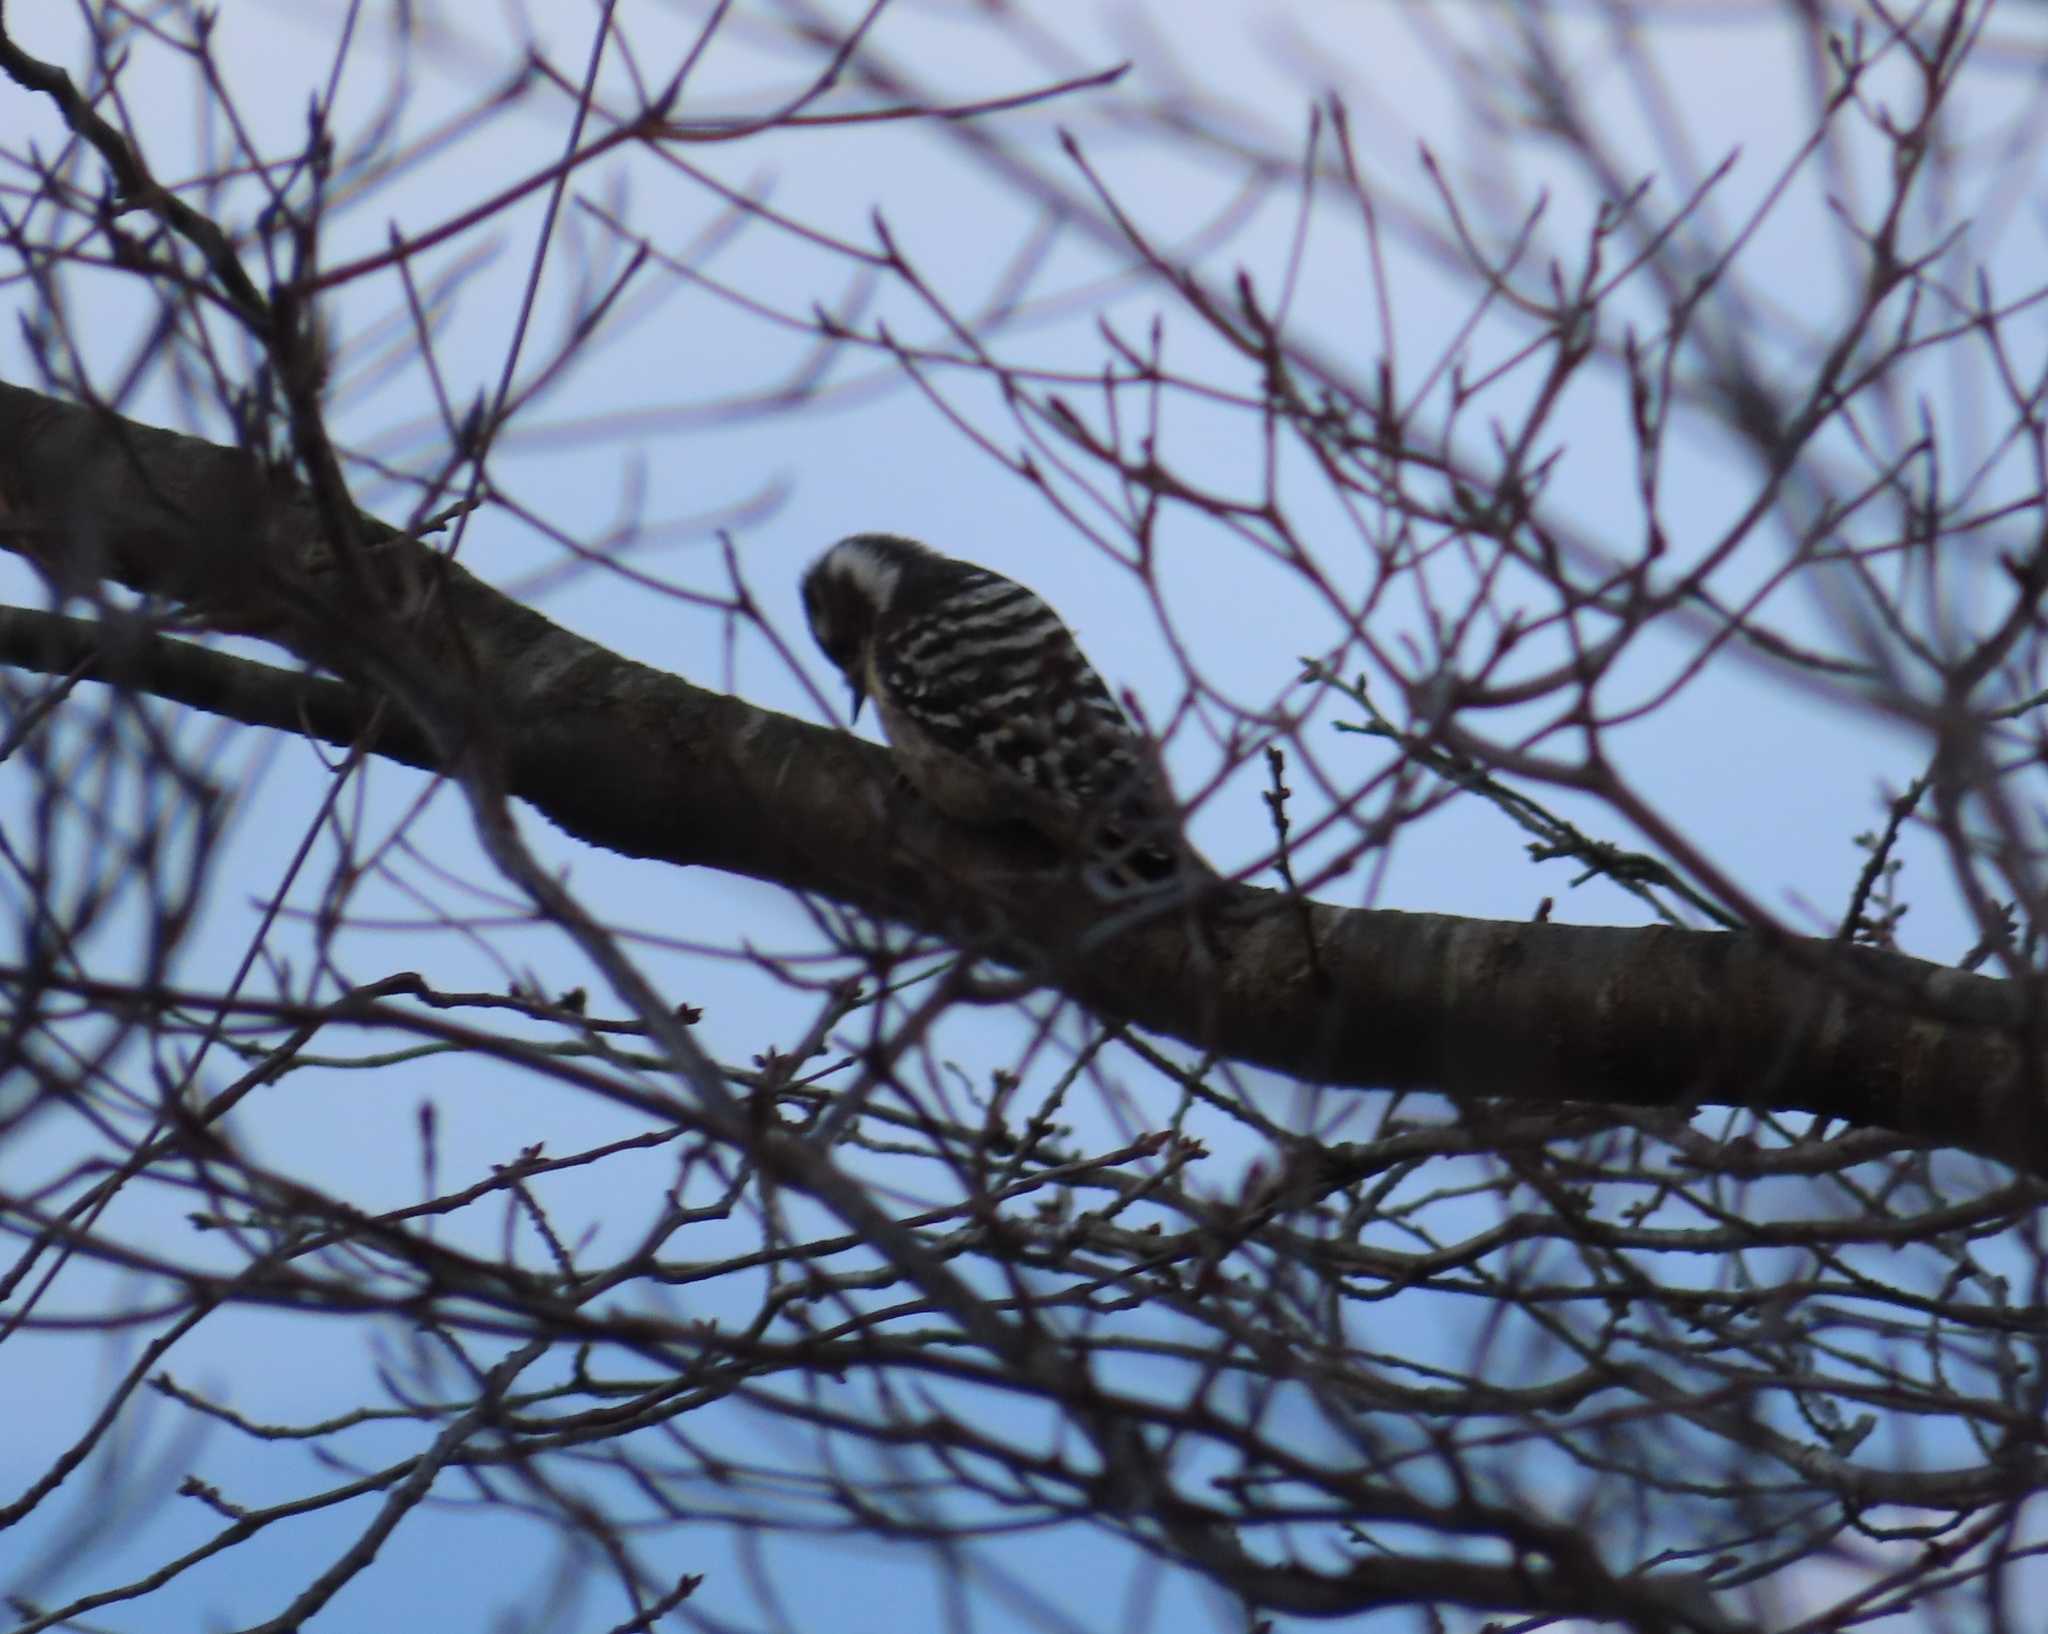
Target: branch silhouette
[(648, 764)]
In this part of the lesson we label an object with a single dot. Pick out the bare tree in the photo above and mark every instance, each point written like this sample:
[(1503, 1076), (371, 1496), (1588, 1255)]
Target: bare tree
[(1253, 1251)]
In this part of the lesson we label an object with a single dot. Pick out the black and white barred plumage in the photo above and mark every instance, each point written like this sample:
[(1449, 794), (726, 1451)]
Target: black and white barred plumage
[(992, 711)]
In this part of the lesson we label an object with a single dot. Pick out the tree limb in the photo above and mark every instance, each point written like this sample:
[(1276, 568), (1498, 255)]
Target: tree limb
[(645, 763)]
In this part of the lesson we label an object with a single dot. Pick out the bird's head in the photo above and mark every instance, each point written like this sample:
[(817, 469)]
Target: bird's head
[(847, 592)]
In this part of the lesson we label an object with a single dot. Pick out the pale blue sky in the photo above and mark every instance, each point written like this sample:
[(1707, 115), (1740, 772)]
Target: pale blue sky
[(1769, 783)]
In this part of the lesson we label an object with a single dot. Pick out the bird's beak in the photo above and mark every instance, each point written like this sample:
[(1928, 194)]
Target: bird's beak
[(860, 696)]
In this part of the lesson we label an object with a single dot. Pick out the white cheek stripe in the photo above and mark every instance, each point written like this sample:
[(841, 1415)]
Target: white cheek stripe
[(873, 574)]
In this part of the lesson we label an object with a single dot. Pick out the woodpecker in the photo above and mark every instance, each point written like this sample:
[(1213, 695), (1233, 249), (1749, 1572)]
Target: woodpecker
[(992, 711)]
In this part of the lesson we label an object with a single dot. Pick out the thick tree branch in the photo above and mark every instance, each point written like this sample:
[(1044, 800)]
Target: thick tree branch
[(643, 762)]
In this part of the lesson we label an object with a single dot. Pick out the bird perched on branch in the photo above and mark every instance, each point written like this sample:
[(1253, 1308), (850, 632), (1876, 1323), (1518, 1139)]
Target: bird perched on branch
[(992, 711)]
